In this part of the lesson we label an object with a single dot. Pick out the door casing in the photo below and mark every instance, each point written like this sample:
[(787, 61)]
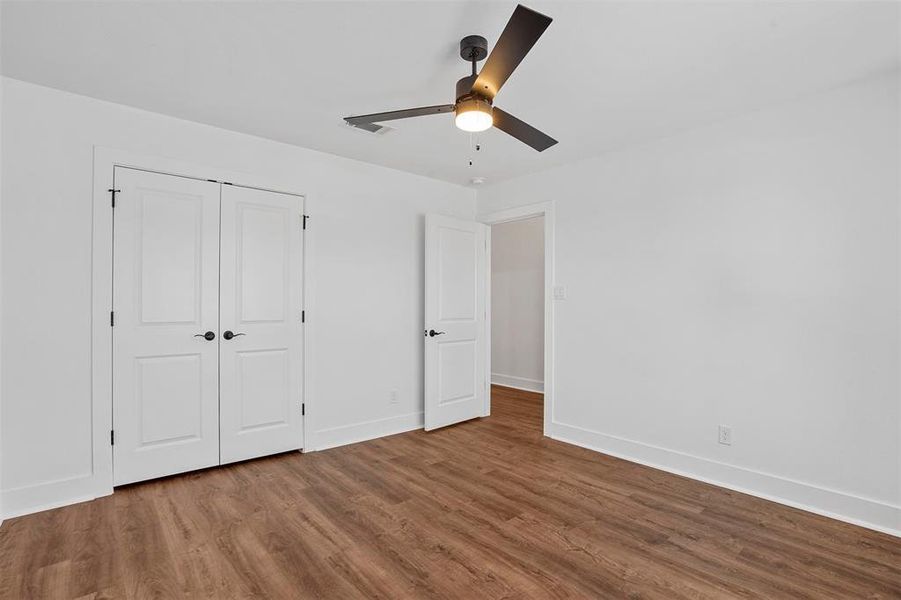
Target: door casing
[(105, 160)]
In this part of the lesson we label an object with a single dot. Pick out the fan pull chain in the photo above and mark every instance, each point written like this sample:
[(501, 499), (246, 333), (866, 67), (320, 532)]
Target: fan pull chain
[(473, 143)]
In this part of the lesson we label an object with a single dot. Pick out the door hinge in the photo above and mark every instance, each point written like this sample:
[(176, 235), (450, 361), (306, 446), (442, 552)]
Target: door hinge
[(112, 437), (305, 217), (303, 409), (303, 316), (112, 319), (113, 193)]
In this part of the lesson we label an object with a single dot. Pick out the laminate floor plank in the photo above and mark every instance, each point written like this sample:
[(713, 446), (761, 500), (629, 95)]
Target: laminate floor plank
[(484, 509)]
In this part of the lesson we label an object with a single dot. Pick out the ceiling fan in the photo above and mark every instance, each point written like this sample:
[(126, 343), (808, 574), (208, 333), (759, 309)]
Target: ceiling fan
[(474, 108)]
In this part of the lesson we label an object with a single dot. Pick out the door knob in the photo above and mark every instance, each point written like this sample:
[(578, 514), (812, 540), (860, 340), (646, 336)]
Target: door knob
[(433, 333), (208, 336), (229, 335)]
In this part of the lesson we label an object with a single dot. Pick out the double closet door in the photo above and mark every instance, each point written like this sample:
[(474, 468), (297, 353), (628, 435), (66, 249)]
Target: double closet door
[(207, 330)]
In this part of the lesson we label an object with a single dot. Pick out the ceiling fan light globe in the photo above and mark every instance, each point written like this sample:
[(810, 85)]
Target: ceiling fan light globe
[(473, 116)]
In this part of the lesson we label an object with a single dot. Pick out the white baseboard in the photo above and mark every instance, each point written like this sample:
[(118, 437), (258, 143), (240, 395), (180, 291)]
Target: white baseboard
[(367, 430), (520, 383), (842, 506), (45, 496), (53, 494)]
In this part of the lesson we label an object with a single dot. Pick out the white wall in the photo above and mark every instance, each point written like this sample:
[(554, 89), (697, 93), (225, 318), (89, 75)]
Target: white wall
[(744, 274), (517, 304), (366, 260)]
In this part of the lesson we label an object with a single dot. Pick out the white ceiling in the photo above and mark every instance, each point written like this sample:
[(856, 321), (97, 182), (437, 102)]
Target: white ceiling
[(605, 75)]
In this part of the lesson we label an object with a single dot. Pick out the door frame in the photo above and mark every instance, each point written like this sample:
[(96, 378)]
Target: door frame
[(519, 213), (105, 161)]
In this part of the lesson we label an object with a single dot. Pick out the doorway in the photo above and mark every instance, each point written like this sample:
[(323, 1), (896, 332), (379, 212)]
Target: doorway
[(522, 383), (517, 318)]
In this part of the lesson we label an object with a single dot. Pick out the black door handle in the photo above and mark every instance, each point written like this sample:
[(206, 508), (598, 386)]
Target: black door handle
[(229, 335), (433, 333), (208, 336)]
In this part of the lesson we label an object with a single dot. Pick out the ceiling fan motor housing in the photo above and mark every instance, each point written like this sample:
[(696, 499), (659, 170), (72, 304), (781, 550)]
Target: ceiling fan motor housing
[(464, 88)]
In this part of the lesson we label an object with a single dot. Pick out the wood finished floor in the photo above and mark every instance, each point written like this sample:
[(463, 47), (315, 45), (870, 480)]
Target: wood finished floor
[(485, 509)]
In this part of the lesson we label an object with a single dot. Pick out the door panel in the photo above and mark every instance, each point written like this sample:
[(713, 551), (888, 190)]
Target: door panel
[(261, 297), (262, 252), (457, 274), (264, 388), (456, 371), (456, 378), (170, 257), (160, 386), (165, 270)]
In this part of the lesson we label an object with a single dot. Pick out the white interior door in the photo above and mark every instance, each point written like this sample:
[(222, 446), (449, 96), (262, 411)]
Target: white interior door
[(261, 300), (165, 295), (456, 341)]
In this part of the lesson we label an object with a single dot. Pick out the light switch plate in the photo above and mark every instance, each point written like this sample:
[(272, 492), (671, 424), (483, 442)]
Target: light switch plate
[(559, 292)]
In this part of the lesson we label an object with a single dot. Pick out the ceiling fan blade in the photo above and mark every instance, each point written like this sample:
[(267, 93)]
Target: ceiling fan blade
[(522, 31), (521, 130), (368, 122)]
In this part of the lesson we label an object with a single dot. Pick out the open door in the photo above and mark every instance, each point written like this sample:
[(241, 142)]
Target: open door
[(455, 334)]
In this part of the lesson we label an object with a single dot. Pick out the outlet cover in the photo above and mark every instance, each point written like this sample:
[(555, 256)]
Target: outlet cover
[(725, 435)]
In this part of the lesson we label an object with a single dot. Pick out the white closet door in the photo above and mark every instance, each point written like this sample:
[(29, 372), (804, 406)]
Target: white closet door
[(260, 304), (165, 295)]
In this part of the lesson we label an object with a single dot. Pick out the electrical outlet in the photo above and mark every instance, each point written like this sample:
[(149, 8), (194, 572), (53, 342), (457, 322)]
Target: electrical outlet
[(725, 435), (559, 292), (393, 397)]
